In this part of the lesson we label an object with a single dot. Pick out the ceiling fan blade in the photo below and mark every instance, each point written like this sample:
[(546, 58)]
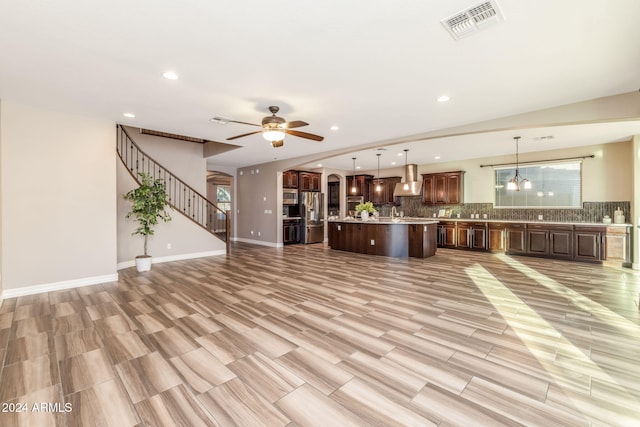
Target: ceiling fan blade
[(295, 124), (243, 123), (244, 134), (304, 134)]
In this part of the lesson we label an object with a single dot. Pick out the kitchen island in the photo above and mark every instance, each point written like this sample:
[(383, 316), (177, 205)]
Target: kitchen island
[(410, 237)]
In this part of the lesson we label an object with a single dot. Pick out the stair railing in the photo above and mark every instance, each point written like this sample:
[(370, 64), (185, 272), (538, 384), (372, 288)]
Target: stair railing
[(182, 197)]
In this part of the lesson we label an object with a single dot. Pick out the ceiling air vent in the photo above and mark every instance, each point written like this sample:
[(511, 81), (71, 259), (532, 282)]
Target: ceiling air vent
[(472, 19)]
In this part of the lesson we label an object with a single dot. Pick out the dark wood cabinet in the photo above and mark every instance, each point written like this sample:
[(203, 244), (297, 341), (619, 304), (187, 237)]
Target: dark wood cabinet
[(516, 239), (309, 181), (428, 189), (396, 240), (587, 243), (421, 241), (446, 234), (387, 187), (362, 184), (496, 240), (442, 188), (550, 240), (387, 239), (337, 236), (472, 235), (290, 179), (290, 231)]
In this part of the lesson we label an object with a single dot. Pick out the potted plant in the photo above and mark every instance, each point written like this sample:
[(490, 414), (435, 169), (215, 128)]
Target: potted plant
[(365, 209), (149, 206)]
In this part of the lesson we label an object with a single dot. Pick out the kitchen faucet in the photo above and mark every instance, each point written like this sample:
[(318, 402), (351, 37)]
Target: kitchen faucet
[(393, 212)]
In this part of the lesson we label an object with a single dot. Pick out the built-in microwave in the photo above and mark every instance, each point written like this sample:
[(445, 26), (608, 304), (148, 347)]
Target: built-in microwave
[(289, 196)]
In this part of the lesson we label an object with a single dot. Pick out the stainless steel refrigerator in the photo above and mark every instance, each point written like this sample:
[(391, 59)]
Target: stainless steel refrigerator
[(312, 214)]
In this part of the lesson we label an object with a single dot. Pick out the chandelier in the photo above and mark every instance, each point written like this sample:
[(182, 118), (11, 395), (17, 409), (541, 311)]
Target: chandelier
[(517, 181)]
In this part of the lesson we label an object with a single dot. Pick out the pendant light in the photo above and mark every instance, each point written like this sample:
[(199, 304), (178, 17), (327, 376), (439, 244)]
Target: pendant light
[(406, 182), (515, 182), (354, 190), (378, 186)]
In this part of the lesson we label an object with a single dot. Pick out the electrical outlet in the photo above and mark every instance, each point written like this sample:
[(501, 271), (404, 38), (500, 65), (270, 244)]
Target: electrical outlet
[(540, 217), (258, 233), (373, 242), (168, 245), (251, 232)]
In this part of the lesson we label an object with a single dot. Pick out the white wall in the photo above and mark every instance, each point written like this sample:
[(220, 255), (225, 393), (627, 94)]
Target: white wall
[(58, 197), (1, 240), (187, 239)]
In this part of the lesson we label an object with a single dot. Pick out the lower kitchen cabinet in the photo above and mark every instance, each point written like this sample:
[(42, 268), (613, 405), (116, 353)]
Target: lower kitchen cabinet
[(290, 231), (472, 235), (516, 239), (398, 240), (587, 243), (617, 247), (496, 240), (421, 242), (550, 240), (446, 234)]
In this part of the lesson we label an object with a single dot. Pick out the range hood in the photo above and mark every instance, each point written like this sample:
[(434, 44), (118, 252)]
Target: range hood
[(411, 186)]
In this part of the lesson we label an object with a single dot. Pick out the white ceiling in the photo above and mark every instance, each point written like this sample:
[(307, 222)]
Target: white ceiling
[(374, 68)]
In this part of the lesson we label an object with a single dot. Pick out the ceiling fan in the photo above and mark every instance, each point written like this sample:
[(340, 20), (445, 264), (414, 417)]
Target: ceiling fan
[(274, 128)]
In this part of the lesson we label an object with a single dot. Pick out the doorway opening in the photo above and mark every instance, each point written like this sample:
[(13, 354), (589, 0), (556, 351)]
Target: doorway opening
[(333, 197)]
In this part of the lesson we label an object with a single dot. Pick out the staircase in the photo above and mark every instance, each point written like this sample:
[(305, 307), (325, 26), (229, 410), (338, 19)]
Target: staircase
[(182, 197)]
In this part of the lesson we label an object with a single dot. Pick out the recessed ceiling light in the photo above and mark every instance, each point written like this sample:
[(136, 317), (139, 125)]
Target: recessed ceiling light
[(334, 127), (357, 167), (319, 165), (437, 157), (393, 163), (443, 98), (129, 115), (400, 154), (170, 75), (219, 120)]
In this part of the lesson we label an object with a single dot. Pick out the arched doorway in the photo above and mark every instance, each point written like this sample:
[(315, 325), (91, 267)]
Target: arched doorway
[(219, 192), (333, 196)]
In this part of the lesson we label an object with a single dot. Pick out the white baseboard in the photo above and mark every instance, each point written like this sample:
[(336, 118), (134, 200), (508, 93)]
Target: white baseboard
[(57, 286), (159, 260), (258, 242)]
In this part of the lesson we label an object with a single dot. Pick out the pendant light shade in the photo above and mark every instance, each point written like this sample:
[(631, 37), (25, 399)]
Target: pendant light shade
[(378, 186), (354, 190), (517, 181)]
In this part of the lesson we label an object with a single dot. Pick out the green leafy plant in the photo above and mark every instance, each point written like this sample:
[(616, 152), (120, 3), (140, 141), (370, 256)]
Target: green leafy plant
[(368, 206), (149, 205)]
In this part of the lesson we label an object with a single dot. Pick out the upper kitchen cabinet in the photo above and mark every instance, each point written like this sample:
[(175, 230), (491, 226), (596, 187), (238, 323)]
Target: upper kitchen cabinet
[(362, 184), (442, 188), (309, 181), (385, 195), (290, 179)]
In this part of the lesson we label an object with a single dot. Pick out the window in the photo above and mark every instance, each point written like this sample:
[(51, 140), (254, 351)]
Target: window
[(553, 185), (223, 198)]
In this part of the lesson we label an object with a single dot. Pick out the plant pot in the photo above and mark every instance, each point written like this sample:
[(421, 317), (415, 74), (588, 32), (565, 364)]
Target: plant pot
[(143, 263)]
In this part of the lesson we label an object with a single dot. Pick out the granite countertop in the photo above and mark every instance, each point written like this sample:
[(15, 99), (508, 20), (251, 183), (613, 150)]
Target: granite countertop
[(388, 220), (532, 222), (416, 220)]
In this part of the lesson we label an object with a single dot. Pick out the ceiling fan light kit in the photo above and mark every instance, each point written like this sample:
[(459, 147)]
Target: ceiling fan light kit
[(275, 128)]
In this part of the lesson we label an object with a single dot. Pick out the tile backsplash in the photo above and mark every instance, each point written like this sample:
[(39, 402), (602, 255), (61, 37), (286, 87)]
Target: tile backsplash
[(590, 212)]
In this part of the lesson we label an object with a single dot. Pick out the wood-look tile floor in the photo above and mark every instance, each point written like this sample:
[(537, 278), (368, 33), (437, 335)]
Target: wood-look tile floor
[(307, 336)]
